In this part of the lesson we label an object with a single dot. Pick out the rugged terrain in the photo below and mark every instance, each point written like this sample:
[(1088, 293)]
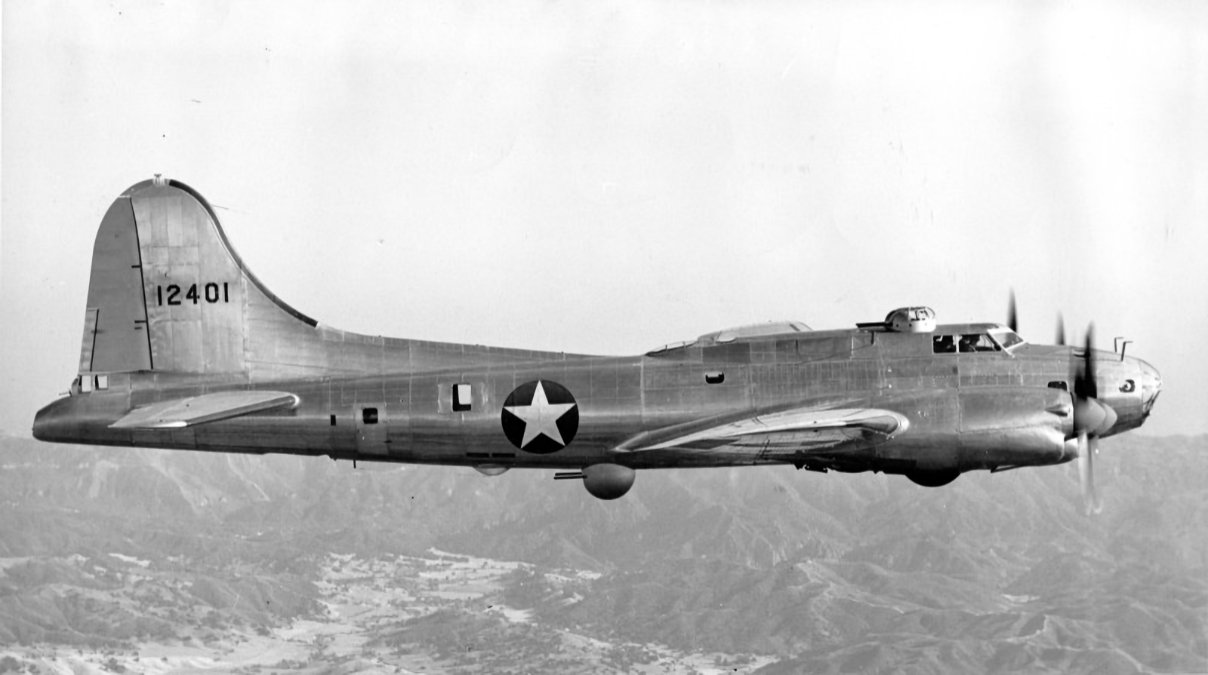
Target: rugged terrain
[(163, 561)]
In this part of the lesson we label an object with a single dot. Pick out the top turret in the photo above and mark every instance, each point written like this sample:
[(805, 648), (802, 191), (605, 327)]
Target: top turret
[(905, 320)]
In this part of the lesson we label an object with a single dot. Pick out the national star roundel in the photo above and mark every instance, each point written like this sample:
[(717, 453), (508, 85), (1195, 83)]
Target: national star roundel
[(540, 417)]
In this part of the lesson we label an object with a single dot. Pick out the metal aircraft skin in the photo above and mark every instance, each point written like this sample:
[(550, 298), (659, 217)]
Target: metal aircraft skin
[(184, 348)]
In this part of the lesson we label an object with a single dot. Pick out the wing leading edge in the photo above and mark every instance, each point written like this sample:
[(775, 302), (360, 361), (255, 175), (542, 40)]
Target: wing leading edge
[(787, 430)]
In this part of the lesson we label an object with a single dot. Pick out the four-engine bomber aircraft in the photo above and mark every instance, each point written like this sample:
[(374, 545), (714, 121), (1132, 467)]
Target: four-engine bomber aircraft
[(184, 348)]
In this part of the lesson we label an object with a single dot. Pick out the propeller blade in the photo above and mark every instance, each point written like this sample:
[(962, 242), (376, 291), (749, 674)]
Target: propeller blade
[(1012, 317), (1087, 447), (1092, 417), (1092, 385), (1060, 330), (1084, 470), (1084, 376)]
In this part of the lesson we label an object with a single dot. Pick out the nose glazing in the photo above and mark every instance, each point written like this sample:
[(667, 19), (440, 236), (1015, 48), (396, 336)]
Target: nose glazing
[(1151, 384)]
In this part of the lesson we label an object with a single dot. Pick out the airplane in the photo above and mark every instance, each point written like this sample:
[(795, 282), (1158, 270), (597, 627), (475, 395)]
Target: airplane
[(184, 348)]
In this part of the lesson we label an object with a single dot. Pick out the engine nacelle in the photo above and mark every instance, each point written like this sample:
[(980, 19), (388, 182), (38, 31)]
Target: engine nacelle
[(608, 481)]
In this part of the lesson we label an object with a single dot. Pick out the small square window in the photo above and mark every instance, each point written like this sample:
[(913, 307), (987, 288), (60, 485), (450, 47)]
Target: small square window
[(369, 415), (85, 384), (102, 382), (462, 397)]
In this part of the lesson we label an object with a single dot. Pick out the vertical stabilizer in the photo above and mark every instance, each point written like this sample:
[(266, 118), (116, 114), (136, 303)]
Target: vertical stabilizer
[(169, 294)]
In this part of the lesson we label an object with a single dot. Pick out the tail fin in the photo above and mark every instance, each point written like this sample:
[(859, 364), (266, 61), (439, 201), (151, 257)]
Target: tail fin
[(168, 293)]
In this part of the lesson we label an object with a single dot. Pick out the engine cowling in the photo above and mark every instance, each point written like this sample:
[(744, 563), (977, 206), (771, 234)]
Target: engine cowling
[(608, 481)]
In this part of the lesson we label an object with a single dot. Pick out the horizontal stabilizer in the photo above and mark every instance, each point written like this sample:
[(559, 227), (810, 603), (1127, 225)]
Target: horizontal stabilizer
[(194, 410), (792, 427)]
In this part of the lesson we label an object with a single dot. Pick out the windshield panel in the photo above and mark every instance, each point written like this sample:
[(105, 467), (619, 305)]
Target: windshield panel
[(1006, 337)]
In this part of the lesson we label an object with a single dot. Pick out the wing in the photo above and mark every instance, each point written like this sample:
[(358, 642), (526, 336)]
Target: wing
[(794, 430), (194, 410)]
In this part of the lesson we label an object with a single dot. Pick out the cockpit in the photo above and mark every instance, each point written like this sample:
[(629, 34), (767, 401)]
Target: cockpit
[(993, 340)]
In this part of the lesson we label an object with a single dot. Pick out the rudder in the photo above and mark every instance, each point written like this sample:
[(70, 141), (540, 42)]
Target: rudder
[(116, 338)]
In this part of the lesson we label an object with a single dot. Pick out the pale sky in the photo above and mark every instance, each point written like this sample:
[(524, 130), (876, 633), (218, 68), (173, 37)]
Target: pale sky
[(606, 177)]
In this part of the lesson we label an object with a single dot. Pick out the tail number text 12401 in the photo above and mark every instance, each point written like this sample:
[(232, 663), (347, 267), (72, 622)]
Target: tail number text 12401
[(172, 294)]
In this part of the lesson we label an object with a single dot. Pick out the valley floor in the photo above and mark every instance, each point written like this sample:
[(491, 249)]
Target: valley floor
[(441, 612)]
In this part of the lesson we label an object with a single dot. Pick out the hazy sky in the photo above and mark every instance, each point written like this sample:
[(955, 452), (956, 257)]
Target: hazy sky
[(607, 177)]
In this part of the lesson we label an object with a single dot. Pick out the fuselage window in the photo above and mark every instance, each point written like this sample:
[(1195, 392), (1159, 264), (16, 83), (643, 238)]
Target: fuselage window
[(1058, 384), (943, 344), (85, 384), (715, 377), (369, 415), (102, 382), (462, 397)]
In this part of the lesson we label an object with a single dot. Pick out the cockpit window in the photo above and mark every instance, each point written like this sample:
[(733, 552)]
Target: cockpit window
[(965, 344), (1006, 338), (976, 342)]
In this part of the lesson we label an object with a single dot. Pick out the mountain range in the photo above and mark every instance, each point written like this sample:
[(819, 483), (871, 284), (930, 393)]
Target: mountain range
[(135, 552)]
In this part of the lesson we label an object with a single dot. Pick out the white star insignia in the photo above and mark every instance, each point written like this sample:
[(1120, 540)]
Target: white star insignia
[(540, 417)]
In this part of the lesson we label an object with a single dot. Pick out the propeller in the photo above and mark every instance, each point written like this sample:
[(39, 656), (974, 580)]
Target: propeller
[(1091, 418)]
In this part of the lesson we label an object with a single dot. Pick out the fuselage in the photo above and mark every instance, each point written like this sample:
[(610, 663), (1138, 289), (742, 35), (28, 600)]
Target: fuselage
[(966, 410)]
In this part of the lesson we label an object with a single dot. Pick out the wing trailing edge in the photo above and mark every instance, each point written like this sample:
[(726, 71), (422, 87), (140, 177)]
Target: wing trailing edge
[(194, 410)]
